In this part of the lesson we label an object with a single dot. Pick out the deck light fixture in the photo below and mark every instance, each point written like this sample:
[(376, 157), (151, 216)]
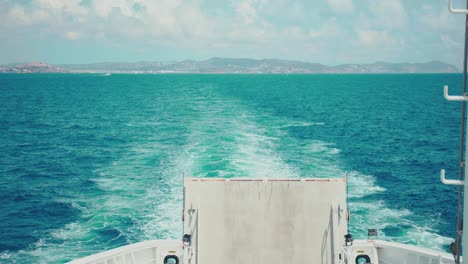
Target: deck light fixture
[(372, 233), (348, 240), (187, 240)]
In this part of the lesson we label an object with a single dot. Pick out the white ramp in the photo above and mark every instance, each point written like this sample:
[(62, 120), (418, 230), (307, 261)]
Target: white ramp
[(269, 221)]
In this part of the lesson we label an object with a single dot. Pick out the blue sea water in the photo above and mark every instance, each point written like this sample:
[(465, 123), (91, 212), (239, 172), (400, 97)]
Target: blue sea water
[(90, 163)]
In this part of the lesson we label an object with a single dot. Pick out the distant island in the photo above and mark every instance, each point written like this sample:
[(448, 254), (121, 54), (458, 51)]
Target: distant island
[(33, 67), (231, 65)]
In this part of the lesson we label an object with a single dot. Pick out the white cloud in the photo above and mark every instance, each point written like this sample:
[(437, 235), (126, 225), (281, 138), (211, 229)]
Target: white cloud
[(373, 37), (341, 6), (327, 29), (271, 28), (103, 8), (389, 14), (100, 35), (72, 35), (71, 7), (439, 21), (48, 12), (20, 16), (297, 11), (203, 27), (17, 15), (247, 11)]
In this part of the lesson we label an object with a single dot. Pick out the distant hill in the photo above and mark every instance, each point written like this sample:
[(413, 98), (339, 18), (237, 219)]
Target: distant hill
[(385, 67), (33, 67), (213, 65), (235, 65)]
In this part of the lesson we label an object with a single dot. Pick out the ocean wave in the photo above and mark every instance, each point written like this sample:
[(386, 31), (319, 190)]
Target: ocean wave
[(199, 132), (302, 124), (360, 185)]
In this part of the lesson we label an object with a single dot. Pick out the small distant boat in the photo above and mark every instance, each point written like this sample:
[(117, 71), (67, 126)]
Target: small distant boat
[(107, 74)]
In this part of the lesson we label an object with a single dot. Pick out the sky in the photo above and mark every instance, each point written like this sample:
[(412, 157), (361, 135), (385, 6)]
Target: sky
[(331, 32)]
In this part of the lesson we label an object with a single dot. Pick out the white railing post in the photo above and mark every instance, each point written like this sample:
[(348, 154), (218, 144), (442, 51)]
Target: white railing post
[(449, 182), (453, 97), (455, 10)]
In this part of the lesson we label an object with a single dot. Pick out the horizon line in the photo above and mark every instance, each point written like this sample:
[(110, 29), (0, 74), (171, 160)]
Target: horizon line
[(217, 57)]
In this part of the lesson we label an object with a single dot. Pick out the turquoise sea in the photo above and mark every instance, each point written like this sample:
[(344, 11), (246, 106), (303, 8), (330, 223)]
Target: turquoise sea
[(92, 162)]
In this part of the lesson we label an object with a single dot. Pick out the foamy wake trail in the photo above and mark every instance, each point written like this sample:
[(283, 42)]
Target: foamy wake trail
[(376, 214), (240, 143), (137, 204), (142, 191), (139, 197), (227, 141)]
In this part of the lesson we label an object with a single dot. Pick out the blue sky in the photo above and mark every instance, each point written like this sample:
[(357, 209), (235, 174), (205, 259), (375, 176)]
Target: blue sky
[(326, 31)]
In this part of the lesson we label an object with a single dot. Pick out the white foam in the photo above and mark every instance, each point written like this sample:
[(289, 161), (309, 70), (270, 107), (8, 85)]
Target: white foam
[(5, 255), (425, 237), (222, 132), (365, 215), (302, 124), (360, 185), (255, 154)]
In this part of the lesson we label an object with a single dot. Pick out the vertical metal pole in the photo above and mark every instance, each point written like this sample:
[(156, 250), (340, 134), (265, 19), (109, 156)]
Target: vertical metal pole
[(347, 204), (198, 231), (464, 238), (463, 158)]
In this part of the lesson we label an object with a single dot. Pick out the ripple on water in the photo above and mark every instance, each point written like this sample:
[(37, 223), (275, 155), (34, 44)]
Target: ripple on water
[(98, 162)]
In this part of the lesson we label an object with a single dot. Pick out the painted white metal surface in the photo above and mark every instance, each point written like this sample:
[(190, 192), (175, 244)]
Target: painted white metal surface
[(465, 205), (449, 182), (361, 248), (265, 220), (147, 252), (455, 10), (396, 253), (456, 98)]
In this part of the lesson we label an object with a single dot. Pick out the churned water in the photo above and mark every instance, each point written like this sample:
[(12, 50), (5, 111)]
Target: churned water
[(90, 163)]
